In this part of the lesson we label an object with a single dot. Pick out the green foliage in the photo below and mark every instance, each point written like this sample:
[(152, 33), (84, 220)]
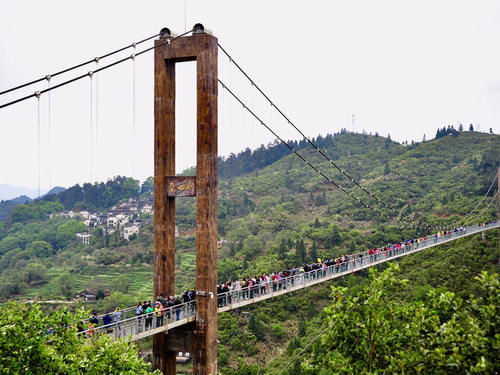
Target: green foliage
[(371, 331), (66, 233), (301, 251), (257, 327), (40, 249), (35, 210), (34, 343), (302, 326), (278, 331)]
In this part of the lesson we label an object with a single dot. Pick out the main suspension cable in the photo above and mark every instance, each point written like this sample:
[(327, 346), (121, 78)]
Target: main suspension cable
[(79, 65), (341, 170), (482, 199), (167, 41), (338, 186), (479, 214)]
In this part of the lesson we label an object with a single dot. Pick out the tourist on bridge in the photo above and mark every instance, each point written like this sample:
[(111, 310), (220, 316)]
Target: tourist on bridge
[(159, 311), (94, 320), (177, 302), (116, 318), (138, 312), (107, 321), (149, 316)]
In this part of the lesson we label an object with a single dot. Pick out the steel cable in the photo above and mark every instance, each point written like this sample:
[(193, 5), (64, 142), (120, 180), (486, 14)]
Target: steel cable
[(47, 77), (341, 170), (338, 186), (167, 41)]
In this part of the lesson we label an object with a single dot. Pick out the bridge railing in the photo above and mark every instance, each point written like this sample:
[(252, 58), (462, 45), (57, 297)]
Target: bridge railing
[(180, 314)]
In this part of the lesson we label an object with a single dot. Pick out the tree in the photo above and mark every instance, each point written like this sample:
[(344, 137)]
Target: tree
[(335, 238), (282, 249), (122, 283), (302, 326), (35, 343), (40, 249), (314, 252), (35, 274), (257, 327), (301, 250), (375, 330), (66, 285), (387, 169), (460, 128), (388, 141), (471, 128), (148, 185), (66, 233)]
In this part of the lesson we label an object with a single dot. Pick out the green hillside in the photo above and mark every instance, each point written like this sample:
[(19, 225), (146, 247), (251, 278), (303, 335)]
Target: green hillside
[(275, 212), (436, 181)]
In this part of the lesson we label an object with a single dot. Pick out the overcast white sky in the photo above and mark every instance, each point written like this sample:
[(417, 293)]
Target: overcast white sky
[(401, 67)]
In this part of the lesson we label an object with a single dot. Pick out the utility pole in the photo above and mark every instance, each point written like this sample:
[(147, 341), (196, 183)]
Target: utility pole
[(353, 123)]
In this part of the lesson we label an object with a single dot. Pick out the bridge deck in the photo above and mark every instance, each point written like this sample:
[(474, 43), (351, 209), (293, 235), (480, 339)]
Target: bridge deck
[(137, 328)]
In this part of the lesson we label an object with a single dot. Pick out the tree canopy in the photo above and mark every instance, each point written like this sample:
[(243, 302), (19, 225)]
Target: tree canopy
[(32, 342), (374, 331)]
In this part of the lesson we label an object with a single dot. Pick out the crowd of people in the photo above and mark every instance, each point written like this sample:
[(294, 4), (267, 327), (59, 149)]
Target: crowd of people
[(250, 287)]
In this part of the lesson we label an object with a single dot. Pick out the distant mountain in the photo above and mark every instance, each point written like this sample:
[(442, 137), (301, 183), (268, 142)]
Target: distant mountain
[(8, 192), (6, 207), (55, 190)]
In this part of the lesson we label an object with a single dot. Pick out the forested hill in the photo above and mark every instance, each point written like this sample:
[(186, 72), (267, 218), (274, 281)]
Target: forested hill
[(247, 161), (271, 217), (275, 212)]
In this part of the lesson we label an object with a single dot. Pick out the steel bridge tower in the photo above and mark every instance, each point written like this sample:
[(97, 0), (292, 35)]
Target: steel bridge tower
[(200, 337)]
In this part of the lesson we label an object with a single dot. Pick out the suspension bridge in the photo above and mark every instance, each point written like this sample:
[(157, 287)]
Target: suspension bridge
[(192, 326)]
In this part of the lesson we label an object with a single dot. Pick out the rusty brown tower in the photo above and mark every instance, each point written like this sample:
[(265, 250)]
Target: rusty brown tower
[(199, 338)]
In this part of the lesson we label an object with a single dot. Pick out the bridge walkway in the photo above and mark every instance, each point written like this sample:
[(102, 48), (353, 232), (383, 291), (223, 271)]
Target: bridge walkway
[(137, 328)]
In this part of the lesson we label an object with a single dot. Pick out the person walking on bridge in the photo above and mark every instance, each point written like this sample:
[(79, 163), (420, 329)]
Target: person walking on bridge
[(116, 318), (149, 316), (138, 312)]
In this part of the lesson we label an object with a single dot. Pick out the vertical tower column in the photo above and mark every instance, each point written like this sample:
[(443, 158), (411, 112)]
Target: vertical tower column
[(164, 206), (205, 345), (202, 48)]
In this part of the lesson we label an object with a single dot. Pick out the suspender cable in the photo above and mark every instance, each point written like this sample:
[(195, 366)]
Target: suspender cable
[(133, 114), (167, 41), (97, 120), (306, 138), (91, 128), (38, 138), (78, 65), (50, 134)]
